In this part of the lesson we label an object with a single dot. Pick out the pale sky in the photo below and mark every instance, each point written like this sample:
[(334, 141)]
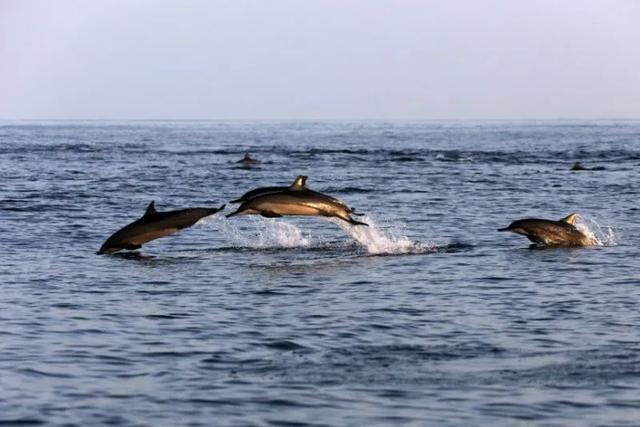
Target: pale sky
[(324, 59)]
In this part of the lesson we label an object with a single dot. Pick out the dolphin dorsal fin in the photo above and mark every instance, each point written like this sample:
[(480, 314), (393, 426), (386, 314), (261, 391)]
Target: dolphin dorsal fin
[(570, 219), (299, 183), (151, 209)]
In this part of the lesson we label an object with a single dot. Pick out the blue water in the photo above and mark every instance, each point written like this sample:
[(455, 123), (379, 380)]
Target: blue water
[(428, 317)]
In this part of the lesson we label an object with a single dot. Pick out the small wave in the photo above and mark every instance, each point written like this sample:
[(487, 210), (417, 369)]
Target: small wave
[(604, 235), (383, 242), (346, 190)]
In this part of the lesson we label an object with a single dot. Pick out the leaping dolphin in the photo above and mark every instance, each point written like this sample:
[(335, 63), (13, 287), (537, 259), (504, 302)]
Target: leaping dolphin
[(546, 232), (154, 225), (296, 199)]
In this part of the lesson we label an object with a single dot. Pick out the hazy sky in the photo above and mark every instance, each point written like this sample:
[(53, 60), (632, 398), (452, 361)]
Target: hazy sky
[(319, 59)]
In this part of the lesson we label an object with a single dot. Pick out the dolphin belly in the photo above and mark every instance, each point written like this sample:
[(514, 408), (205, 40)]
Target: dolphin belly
[(140, 239), (285, 208)]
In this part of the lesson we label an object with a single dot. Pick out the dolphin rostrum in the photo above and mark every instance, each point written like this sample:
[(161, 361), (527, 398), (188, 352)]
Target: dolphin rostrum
[(546, 232), (154, 225), (296, 199)]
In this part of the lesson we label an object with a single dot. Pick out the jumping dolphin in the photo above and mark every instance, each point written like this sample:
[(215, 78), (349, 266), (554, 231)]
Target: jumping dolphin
[(154, 225), (296, 199), (546, 232), (247, 160), (300, 182)]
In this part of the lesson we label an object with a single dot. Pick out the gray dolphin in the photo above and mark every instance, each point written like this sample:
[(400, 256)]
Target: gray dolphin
[(296, 199), (300, 182), (247, 160), (577, 166), (154, 225), (546, 232)]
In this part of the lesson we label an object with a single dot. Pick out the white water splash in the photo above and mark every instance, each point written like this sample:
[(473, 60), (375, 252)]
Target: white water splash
[(264, 232), (602, 234), (391, 241)]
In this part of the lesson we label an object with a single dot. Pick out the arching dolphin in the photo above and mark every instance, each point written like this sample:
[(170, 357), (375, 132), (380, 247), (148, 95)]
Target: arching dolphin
[(300, 182), (551, 233), (154, 225), (295, 200)]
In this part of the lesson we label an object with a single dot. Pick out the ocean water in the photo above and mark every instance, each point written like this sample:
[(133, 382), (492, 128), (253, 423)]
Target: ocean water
[(427, 317)]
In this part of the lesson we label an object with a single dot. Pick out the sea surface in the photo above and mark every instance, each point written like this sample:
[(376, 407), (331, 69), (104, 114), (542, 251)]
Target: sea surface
[(427, 317)]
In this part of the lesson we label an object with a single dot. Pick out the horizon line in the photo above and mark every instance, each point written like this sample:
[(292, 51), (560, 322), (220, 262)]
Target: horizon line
[(40, 119)]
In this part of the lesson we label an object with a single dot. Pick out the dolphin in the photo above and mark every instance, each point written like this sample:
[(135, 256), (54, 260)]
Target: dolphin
[(153, 225), (577, 166), (546, 232), (247, 160), (300, 182), (296, 199)]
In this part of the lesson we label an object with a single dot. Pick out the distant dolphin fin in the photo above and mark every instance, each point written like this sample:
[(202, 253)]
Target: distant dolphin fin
[(570, 219), (299, 183), (151, 209)]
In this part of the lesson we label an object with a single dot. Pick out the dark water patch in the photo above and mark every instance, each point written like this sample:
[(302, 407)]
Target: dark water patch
[(345, 190), (42, 373), (287, 423), (168, 316), (269, 292), (21, 422), (284, 345), (421, 352)]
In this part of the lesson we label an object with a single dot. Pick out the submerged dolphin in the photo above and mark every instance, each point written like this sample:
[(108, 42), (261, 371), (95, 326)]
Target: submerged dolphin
[(300, 182), (577, 166), (247, 160), (154, 225), (551, 233), (293, 200)]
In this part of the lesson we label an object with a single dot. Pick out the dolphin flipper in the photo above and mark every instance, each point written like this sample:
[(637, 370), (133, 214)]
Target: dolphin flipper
[(269, 214)]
